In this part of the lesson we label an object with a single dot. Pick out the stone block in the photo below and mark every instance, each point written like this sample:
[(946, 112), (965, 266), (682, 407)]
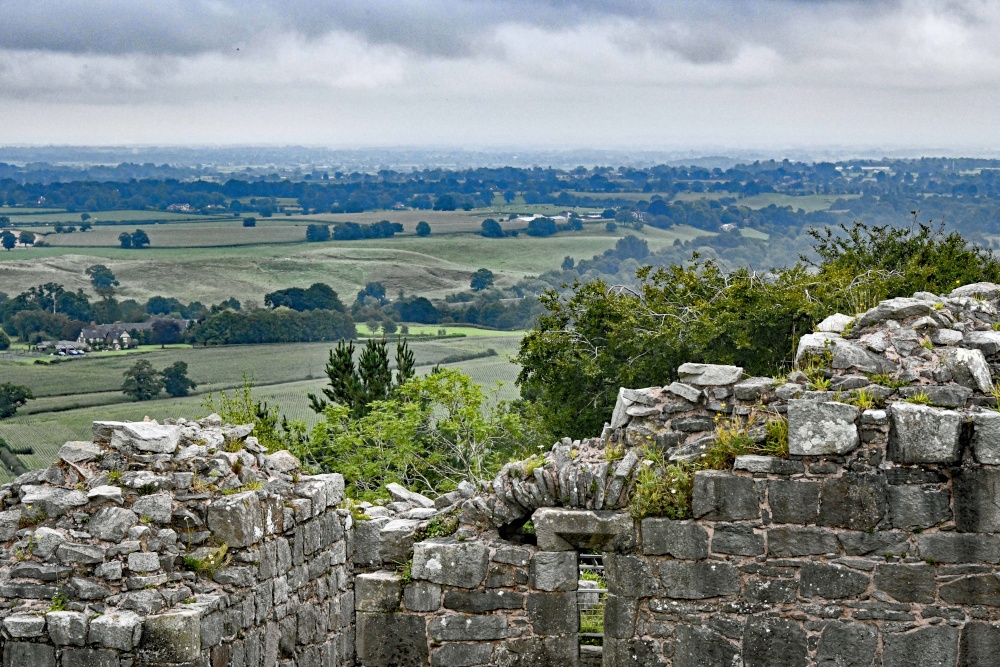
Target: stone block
[(553, 613), (450, 562), (90, 657), (80, 554), (923, 434), (879, 543), (913, 507), (774, 642), (907, 583), (121, 630), (462, 655), (156, 507), (935, 645), (172, 637), (9, 524), (959, 548), (237, 520), (620, 615), (792, 542), (753, 388), (709, 375), (685, 391), (699, 580), (771, 465), (554, 571), (391, 640), (770, 590), (988, 342), (143, 561), (396, 539), (422, 596), (948, 396), (480, 602), (986, 437), (969, 369), (832, 582), (977, 646), (571, 529), (24, 654), (367, 542), (846, 354), (680, 539), (737, 540), (793, 501), (847, 645), (54, 501), (982, 589), (377, 592), (976, 491), (558, 651), (467, 627), (105, 494), (720, 496), (631, 653), (145, 437), (701, 647), (629, 576), (853, 501), (822, 427), (67, 628), (24, 626), (111, 524)]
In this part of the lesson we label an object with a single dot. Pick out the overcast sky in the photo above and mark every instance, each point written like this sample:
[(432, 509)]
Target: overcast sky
[(490, 73)]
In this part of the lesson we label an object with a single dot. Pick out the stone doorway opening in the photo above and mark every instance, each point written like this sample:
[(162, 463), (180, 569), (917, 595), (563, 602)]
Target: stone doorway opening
[(591, 595)]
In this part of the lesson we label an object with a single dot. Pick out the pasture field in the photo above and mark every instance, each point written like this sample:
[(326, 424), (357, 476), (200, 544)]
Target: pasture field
[(808, 203), (226, 232), (51, 216), (433, 266), (46, 431)]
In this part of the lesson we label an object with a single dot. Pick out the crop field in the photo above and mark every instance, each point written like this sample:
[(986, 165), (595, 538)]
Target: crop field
[(808, 203), (46, 431), (433, 266), (52, 216), (207, 233)]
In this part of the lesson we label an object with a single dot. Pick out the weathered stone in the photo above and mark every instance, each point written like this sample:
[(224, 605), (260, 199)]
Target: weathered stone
[(570, 529), (816, 428), (693, 424), (853, 501), (832, 582), (105, 494), (988, 342), (864, 544), (557, 651), (145, 437), (554, 571), (959, 548), (793, 501), (709, 375), (45, 541), (80, 554), (553, 613), (53, 501), (685, 391), (680, 539), (400, 493), (978, 644), (367, 542), (720, 496), (983, 290), (983, 589), (620, 615), (391, 640), (89, 657), (119, 630), (768, 464), (156, 508), (282, 461), (836, 323), (986, 437), (396, 539), (111, 523), (237, 520), (461, 655), (753, 388), (447, 561), (79, 451), (16, 654), (894, 309), (946, 337), (847, 645), (737, 540), (912, 506), (377, 591), (936, 646), (480, 602), (629, 576), (630, 653), (976, 491), (774, 642), (969, 369), (9, 524), (172, 637), (791, 542), (67, 628), (907, 583), (422, 596), (35, 570), (701, 647), (846, 354), (468, 627), (24, 626), (695, 581), (85, 588)]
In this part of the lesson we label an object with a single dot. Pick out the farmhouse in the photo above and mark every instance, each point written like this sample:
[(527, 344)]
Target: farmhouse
[(120, 335)]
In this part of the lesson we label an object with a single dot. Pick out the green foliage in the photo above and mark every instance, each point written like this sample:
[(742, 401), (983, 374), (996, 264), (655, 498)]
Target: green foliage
[(58, 602), (211, 563), (103, 280), (4, 340), (357, 387), (663, 490), (920, 398), (175, 379), (283, 325), (434, 432), (142, 382), (481, 279), (440, 526), (12, 397), (423, 229), (886, 380), (240, 407)]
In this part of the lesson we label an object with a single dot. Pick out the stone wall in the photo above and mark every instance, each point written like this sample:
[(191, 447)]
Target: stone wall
[(180, 544), (873, 541)]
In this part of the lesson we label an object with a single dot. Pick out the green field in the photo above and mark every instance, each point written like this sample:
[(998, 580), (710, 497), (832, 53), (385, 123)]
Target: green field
[(434, 266), (73, 394), (52, 216)]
